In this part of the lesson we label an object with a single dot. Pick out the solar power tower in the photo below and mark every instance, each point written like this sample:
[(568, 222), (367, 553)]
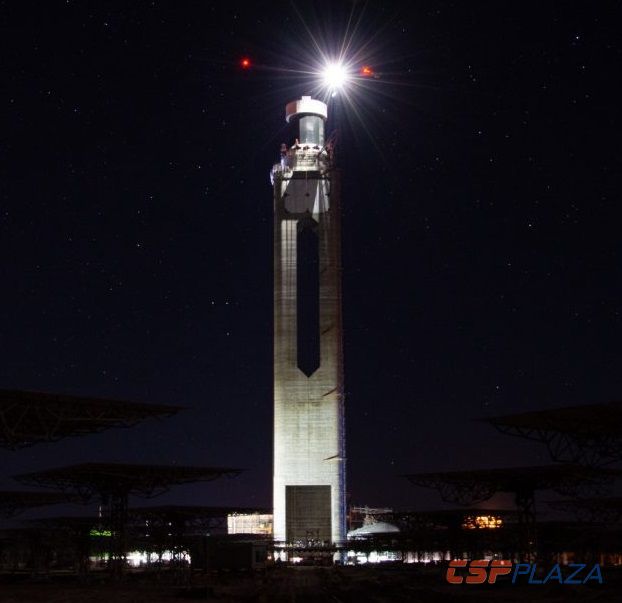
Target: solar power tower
[(309, 436)]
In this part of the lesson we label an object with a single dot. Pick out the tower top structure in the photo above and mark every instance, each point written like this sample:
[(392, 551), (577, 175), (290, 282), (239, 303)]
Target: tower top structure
[(309, 153), (305, 106)]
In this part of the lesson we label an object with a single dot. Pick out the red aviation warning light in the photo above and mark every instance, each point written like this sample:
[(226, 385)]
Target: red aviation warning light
[(366, 71), (245, 63)]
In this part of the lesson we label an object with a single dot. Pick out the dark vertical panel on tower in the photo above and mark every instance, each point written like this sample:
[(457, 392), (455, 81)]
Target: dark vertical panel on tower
[(308, 297)]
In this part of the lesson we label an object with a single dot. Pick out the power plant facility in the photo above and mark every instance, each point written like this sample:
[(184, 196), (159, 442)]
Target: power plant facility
[(440, 250), (309, 437)]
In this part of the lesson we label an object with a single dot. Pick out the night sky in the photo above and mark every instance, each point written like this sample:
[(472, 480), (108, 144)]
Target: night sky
[(481, 228)]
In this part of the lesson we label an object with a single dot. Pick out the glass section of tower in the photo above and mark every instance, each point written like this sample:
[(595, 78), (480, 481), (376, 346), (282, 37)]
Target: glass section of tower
[(312, 130)]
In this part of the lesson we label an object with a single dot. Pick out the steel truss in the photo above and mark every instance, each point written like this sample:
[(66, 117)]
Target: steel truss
[(588, 435), (27, 418)]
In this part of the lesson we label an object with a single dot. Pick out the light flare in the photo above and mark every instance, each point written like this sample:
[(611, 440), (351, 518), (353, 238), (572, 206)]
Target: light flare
[(334, 77)]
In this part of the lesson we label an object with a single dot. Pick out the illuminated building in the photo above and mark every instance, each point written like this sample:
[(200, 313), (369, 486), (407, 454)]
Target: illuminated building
[(249, 523), (309, 458)]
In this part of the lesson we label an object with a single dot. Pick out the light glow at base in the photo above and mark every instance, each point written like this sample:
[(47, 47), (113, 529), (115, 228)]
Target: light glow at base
[(388, 556), (475, 522), (140, 558)]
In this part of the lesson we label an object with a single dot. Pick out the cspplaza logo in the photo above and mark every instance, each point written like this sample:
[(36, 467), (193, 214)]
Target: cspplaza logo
[(482, 571)]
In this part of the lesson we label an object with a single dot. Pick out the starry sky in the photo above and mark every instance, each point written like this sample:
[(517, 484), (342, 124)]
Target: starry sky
[(481, 249)]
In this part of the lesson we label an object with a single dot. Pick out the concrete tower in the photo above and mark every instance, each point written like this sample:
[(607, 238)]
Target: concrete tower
[(309, 443)]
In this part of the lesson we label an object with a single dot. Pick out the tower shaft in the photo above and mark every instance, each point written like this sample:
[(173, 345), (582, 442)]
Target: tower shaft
[(309, 437)]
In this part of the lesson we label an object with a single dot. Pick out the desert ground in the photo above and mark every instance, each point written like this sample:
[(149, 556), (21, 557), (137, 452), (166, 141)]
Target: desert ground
[(296, 585)]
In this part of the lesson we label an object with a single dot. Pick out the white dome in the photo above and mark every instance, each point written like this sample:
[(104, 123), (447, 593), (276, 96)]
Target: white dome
[(379, 527)]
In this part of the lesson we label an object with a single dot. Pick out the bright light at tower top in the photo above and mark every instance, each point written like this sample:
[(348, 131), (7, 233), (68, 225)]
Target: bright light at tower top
[(335, 76)]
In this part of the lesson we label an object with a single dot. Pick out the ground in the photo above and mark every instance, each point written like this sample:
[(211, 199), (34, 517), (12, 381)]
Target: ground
[(300, 585)]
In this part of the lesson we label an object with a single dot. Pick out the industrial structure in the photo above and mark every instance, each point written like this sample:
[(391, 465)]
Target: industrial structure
[(590, 434), (14, 502), (309, 439), (581, 440), (28, 418), (179, 538), (476, 486), (113, 483)]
